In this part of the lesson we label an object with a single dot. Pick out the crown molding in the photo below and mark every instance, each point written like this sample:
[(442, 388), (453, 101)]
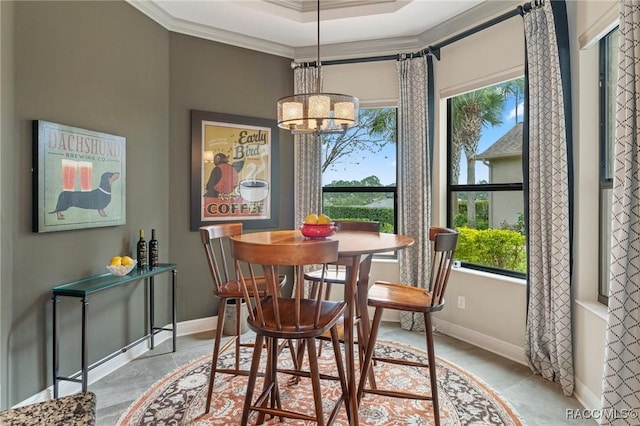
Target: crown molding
[(466, 20), (378, 47), (209, 33), (308, 6), (390, 46)]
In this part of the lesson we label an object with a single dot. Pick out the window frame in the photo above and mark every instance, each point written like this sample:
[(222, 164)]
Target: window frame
[(366, 189), (605, 182), (488, 187)]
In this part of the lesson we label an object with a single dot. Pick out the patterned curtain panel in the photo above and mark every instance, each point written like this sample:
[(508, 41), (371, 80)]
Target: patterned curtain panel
[(621, 380), (414, 178), (307, 156), (548, 345)]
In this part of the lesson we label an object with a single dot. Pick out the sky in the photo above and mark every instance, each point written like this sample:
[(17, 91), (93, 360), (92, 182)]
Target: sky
[(383, 164)]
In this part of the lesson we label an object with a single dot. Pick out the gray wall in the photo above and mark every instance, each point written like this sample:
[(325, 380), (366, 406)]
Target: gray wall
[(6, 172), (105, 66), (217, 78)]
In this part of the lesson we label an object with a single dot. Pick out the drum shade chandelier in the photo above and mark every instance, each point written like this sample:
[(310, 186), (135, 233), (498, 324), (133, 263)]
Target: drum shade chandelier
[(318, 112)]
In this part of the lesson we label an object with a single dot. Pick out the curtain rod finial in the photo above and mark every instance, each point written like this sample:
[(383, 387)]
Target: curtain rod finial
[(434, 52)]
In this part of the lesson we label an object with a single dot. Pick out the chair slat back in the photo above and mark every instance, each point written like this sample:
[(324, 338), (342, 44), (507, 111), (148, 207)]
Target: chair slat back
[(215, 239), (445, 241), (272, 256), (358, 225)]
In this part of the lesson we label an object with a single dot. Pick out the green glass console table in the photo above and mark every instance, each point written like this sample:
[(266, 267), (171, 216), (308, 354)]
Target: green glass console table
[(85, 287)]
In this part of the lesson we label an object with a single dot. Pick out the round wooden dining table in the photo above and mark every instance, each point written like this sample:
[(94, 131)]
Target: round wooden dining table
[(355, 252)]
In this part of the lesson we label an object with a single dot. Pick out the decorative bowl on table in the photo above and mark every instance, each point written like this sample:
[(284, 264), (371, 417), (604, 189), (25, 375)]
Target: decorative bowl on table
[(121, 270), (318, 230)]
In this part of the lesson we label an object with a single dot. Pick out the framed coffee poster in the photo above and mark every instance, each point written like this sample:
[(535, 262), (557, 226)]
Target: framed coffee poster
[(232, 164), (79, 178)]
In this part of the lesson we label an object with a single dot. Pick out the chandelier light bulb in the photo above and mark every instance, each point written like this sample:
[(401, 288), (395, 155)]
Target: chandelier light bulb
[(292, 113), (344, 112)]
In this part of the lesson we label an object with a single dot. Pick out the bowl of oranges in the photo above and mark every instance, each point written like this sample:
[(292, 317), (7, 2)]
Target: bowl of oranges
[(121, 265), (317, 226)]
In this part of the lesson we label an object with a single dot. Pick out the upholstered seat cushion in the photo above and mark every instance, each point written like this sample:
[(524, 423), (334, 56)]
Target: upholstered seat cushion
[(72, 410)]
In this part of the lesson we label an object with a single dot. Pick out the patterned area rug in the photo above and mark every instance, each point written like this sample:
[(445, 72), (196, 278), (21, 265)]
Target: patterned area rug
[(179, 398)]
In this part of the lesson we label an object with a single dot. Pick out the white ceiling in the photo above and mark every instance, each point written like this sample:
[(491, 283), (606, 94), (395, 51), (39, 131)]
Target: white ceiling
[(348, 28)]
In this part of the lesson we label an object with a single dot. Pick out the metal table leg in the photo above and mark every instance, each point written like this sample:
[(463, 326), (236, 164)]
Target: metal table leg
[(174, 274), (56, 346), (151, 310), (85, 349)]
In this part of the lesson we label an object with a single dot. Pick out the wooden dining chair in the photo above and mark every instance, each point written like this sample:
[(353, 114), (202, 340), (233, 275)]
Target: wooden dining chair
[(297, 318), (405, 297), (336, 274), (227, 287)]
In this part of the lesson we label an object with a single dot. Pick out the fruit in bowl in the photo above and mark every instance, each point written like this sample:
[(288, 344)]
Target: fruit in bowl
[(317, 219), (121, 265), (317, 226)]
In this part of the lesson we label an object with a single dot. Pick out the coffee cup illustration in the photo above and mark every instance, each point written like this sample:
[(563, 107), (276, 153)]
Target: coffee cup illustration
[(254, 189)]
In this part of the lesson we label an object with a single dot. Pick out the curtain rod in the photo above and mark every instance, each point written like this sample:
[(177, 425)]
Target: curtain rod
[(431, 50)]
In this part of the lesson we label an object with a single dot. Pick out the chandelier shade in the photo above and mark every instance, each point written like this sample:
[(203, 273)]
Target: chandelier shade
[(318, 112)]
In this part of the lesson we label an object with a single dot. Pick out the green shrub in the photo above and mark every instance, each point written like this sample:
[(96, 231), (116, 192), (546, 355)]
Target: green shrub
[(498, 248), (482, 214)]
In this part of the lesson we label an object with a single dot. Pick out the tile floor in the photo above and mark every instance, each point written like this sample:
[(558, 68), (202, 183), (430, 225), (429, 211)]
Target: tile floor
[(538, 401)]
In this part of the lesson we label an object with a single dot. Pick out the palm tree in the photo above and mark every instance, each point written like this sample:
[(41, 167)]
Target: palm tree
[(376, 128), (471, 111), (514, 88)]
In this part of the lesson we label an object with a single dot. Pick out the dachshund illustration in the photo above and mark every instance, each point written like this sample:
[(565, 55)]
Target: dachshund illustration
[(96, 199)]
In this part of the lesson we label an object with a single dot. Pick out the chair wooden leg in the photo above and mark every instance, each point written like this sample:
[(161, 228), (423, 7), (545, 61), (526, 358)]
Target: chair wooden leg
[(298, 360), (275, 392), (366, 366), (362, 350), (216, 352), (320, 345), (238, 334), (432, 368), (315, 379), (270, 396), (275, 371), (327, 296), (253, 375), (337, 351)]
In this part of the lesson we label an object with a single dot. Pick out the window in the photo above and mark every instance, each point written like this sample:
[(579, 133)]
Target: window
[(485, 192), (359, 170), (608, 82)]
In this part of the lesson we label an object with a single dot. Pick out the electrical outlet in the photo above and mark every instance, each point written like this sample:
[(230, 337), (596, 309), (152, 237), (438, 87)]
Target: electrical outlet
[(461, 302)]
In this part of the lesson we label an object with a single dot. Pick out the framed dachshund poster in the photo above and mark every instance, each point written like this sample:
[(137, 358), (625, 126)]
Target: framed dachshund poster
[(232, 164), (79, 178)]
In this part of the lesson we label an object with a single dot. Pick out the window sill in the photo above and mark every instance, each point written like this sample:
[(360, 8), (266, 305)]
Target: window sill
[(595, 308), (495, 277)]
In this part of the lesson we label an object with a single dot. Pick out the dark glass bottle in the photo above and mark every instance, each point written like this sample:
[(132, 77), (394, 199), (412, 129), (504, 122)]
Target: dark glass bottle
[(153, 250), (142, 251)]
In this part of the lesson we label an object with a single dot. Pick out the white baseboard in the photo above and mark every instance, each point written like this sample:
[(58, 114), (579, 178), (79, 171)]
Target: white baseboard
[(199, 325), (491, 344), (584, 395), (515, 353), (68, 388)]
